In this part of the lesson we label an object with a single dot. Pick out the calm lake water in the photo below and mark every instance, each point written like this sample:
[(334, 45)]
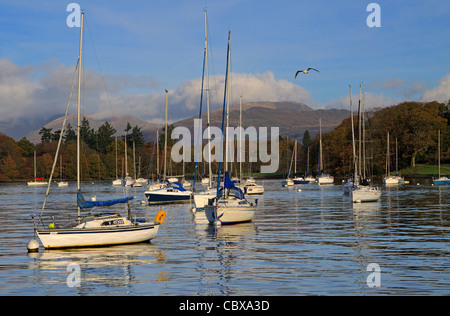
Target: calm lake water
[(313, 242)]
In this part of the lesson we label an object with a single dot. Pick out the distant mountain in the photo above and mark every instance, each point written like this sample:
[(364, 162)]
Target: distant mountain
[(293, 119), (96, 120)]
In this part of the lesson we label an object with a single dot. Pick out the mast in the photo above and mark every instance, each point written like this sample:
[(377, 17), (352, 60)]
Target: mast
[(134, 161), (359, 133), (320, 146), (364, 135), (35, 166), (388, 157), (228, 103), (126, 157), (78, 108), (439, 152), (199, 136), (165, 140), (353, 139), (240, 138), (307, 162), (157, 155), (295, 158), (223, 114), (207, 99), (287, 157), (116, 157)]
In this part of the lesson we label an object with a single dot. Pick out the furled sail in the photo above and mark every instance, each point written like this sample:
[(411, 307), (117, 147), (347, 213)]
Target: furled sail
[(83, 204)]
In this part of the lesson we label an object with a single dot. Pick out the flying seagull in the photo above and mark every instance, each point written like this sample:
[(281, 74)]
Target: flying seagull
[(305, 71)]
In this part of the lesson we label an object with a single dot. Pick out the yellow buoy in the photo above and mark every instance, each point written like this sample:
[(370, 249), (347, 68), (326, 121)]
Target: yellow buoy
[(160, 216)]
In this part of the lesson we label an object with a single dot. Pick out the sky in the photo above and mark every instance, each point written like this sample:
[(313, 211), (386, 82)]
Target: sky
[(134, 50)]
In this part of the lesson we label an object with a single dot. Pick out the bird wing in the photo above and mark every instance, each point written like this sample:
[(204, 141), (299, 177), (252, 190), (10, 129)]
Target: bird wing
[(298, 73), (313, 69)]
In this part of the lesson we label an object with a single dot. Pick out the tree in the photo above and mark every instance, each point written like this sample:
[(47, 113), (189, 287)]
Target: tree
[(105, 136), (27, 147), (87, 133), (137, 137), (70, 134), (415, 126), (162, 136), (306, 142), (96, 167), (55, 136), (46, 134)]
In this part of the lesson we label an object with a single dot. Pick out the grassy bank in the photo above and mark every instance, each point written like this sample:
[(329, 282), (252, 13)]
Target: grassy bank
[(431, 170)]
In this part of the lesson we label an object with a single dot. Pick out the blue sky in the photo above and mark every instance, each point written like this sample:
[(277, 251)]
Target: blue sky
[(144, 47)]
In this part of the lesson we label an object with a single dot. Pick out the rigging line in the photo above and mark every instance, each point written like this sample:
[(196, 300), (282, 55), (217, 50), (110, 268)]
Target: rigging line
[(100, 68), (59, 143)]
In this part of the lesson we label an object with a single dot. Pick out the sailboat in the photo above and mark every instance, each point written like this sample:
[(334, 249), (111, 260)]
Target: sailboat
[(250, 186), (288, 181), (358, 187), (201, 197), (100, 229), (297, 179), (323, 178), (442, 180), (117, 182), (62, 183), (389, 179), (173, 192), (229, 206), (36, 183)]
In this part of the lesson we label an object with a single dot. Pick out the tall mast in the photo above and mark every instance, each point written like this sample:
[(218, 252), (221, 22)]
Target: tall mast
[(207, 99), (35, 166), (353, 139), (228, 101), (240, 137), (78, 108), (223, 115), (320, 146), (359, 133), (364, 135), (126, 157), (157, 155), (295, 158), (388, 159), (439, 152), (116, 156), (165, 140)]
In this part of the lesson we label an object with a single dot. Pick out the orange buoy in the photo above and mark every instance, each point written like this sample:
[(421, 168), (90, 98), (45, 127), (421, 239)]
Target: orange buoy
[(160, 216)]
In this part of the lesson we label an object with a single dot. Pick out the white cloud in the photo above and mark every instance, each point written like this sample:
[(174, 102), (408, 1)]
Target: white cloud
[(440, 93), (40, 92), (371, 101)]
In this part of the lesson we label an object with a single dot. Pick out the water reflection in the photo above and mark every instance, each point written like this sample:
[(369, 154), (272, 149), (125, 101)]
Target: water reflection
[(312, 242), (105, 267)]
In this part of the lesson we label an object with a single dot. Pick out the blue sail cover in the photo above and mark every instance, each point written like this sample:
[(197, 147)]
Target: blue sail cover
[(234, 190), (83, 204), (176, 185)]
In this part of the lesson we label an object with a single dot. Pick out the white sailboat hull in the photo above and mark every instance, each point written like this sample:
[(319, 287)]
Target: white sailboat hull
[(37, 184), (117, 183), (287, 183), (390, 180), (365, 194), (76, 237), (201, 199), (230, 213), (325, 180), (254, 189)]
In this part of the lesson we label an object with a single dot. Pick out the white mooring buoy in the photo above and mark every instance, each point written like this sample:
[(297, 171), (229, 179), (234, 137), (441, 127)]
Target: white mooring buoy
[(33, 246)]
